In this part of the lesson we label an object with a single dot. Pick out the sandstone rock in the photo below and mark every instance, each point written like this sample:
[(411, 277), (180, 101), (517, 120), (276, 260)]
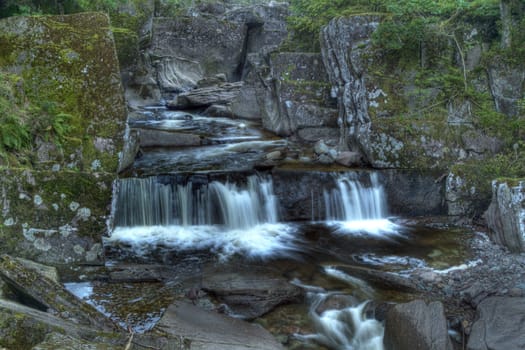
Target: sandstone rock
[(499, 325), (22, 327), (506, 215), (203, 330), (417, 326), (177, 74)]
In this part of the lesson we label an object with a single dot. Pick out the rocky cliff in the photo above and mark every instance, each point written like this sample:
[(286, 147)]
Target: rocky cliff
[(54, 209), (448, 109)]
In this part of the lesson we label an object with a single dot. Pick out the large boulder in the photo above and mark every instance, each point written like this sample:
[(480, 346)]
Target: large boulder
[(499, 325), (506, 214), (417, 326), (55, 209)]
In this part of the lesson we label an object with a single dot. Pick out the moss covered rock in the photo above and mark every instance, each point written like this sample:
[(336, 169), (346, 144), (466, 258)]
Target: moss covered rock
[(55, 207)]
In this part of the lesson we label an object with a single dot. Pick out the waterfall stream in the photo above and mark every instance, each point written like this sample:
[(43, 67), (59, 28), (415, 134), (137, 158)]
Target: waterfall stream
[(183, 207)]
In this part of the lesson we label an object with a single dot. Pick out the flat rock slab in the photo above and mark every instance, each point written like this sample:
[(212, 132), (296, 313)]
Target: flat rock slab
[(203, 330), (499, 325), (250, 296), (159, 138)]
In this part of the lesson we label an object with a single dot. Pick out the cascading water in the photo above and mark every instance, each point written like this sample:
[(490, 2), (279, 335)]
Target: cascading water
[(351, 201), (148, 202), (222, 217), (357, 208)]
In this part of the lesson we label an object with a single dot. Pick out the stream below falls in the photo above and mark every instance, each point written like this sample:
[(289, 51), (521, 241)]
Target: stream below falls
[(187, 214)]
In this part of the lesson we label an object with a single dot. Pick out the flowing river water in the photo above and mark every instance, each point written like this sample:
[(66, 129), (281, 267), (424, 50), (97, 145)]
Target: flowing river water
[(203, 206)]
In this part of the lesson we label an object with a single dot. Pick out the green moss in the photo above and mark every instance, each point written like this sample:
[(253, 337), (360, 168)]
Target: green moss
[(69, 62)]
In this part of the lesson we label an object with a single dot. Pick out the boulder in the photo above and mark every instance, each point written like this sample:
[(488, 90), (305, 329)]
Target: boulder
[(417, 326), (506, 215), (499, 325), (250, 296), (208, 330)]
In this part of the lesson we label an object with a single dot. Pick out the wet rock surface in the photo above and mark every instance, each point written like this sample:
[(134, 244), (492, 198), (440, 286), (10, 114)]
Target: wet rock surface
[(203, 329), (499, 324), (250, 296), (426, 325)]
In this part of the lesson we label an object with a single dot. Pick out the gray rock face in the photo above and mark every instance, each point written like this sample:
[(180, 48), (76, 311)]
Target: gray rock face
[(499, 326), (459, 197), (506, 85), (213, 44), (343, 43), (506, 215), (203, 329), (206, 96), (417, 326), (408, 193), (302, 91), (266, 25)]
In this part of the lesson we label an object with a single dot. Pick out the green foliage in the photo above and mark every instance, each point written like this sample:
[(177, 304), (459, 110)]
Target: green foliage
[(14, 131), (21, 122), (309, 16), (480, 173), (50, 123)]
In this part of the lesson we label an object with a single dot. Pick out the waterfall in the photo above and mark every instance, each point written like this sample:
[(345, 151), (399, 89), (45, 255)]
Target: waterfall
[(351, 201), (356, 208), (224, 218), (149, 202)]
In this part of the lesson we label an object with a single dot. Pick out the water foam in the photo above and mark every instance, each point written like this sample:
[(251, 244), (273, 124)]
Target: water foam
[(260, 241)]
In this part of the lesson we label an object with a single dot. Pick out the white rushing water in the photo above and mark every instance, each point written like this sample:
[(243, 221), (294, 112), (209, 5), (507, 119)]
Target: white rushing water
[(355, 208), (223, 218), (150, 202), (344, 329)]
